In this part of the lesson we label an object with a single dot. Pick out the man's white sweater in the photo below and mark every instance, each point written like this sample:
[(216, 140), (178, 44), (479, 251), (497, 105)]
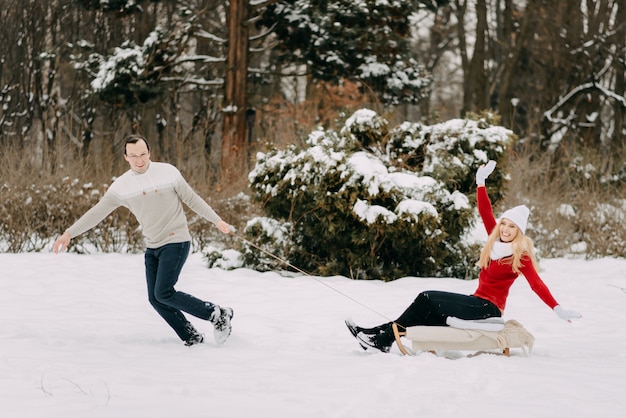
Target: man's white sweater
[(155, 197)]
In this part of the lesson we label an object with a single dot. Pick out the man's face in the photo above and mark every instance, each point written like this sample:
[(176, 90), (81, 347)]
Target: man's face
[(138, 156)]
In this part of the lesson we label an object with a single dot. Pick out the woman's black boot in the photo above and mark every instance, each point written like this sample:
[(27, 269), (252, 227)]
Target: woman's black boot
[(380, 337)]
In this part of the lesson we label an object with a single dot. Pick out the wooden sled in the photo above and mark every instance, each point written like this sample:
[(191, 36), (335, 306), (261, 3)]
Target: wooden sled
[(433, 339)]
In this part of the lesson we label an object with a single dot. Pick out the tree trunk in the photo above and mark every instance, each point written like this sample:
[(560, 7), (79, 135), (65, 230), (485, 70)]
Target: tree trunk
[(234, 153), (506, 108), (479, 60), (461, 7), (475, 86), (616, 145)]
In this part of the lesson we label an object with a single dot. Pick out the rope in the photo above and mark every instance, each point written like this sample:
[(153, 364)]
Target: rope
[(307, 274)]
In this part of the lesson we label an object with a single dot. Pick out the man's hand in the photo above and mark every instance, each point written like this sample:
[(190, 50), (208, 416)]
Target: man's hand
[(223, 226), (61, 243)]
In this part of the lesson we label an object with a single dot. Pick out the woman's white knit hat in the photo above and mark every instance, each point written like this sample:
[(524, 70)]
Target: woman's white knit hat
[(519, 216)]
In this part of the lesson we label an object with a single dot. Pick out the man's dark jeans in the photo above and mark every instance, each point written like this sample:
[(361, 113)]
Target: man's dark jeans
[(163, 265)]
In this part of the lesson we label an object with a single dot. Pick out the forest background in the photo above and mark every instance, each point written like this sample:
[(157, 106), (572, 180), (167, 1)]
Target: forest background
[(211, 82)]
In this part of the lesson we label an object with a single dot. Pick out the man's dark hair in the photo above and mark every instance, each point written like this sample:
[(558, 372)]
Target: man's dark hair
[(133, 139)]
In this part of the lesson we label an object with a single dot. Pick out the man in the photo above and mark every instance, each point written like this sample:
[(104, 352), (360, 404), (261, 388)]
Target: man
[(154, 193)]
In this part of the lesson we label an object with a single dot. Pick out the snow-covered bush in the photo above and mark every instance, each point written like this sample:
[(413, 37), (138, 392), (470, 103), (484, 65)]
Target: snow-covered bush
[(271, 236), (370, 202)]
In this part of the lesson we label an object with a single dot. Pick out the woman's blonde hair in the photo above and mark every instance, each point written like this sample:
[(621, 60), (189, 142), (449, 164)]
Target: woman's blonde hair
[(521, 245)]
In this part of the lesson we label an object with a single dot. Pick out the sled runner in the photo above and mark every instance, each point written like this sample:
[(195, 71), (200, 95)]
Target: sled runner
[(427, 338)]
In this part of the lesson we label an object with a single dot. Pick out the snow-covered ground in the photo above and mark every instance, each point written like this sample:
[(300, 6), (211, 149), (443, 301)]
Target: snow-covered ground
[(79, 339)]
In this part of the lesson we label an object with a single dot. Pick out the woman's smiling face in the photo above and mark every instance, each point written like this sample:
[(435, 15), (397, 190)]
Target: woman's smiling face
[(508, 230)]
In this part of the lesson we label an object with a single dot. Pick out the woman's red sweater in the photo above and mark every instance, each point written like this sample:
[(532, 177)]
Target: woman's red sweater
[(495, 281)]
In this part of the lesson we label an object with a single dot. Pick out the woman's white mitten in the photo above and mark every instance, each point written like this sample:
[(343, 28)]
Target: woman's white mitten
[(483, 172), (566, 314)]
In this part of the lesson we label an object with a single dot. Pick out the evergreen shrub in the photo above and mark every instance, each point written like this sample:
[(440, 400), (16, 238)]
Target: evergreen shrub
[(372, 202)]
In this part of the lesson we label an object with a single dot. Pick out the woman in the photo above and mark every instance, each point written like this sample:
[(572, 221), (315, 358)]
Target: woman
[(507, 254)]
